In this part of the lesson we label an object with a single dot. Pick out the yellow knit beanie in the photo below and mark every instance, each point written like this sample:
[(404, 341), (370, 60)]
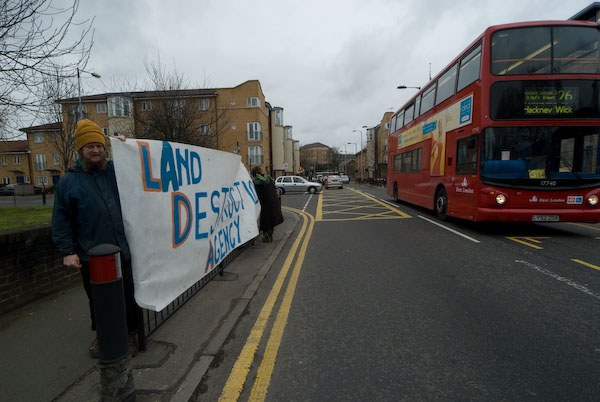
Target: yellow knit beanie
[(87, 132)]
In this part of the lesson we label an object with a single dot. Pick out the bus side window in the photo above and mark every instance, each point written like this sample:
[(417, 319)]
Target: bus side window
[(466, 155)]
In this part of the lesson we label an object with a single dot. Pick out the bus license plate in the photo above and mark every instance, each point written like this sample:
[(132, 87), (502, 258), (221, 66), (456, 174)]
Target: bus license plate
[(545, 218)]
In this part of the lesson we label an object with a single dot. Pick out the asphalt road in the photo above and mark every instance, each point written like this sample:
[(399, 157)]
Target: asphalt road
[(391, 304)]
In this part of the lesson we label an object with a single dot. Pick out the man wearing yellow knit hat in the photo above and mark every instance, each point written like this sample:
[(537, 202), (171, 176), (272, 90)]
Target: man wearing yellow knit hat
[(87, 212)]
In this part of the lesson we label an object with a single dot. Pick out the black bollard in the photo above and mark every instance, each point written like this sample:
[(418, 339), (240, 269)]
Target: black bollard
[(116, 383)]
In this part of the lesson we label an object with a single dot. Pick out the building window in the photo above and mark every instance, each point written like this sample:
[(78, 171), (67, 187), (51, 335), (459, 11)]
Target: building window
[(205, 129), (119, 106), (177, 108), (146, 106), (254, 132), (56, 159), (43, 180), (232, 102), (16, 159), (204, 104), (105, 131), (253, 102), (3, 160), (255, 156), (288, 132), (101, 108), (279, 117), (27, 179), (6, 180), (38, 138), (40, 162)]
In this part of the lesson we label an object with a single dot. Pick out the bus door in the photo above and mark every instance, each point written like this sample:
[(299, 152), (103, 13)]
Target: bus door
[(467, 157)]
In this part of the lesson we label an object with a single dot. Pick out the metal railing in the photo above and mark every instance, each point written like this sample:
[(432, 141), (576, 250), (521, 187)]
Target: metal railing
[(151, 320)]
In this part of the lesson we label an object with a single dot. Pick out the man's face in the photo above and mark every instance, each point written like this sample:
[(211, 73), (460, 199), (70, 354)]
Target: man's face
[(93, 152)]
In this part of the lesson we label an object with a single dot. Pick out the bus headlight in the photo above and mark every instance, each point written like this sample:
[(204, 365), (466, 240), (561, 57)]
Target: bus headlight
[(593, 200), (500, 199)]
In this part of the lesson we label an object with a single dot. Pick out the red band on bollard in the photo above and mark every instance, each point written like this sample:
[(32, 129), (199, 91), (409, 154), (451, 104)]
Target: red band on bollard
[(103, 268)]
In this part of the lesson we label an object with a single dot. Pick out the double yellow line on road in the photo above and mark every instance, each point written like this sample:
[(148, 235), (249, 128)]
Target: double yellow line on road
[(239, 373)]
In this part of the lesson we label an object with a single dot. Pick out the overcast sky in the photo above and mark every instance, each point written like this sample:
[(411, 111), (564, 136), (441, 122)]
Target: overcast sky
[(333, 65)]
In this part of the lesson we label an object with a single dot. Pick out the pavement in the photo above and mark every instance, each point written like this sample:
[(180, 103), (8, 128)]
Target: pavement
[(44, 345)]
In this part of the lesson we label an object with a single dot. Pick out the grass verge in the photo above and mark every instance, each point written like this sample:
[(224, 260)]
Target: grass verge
[(16, 217)]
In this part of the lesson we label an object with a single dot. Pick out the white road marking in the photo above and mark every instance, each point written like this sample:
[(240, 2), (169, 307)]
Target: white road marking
[(449, 229), (307, 202), (567, 281)]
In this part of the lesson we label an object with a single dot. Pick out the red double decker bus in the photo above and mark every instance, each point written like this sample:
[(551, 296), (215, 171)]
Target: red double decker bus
[(509, 131)]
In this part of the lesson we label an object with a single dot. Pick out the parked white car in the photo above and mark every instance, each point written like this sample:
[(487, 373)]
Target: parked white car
[(286, 184)]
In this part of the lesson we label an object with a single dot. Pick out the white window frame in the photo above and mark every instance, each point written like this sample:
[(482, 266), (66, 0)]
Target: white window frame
[(40, 162), (204, 104), (3, 160), (16, 159), (27, 179), (56, 158), (119, 106), (253, 101), (255, 155), (100, 107), (6, 180), (279, 117), (146, 106), (38, 138), (178, 107), (43, 180), (254, 131), (205, 129)]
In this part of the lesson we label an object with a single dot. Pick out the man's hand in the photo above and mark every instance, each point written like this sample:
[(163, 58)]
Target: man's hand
[(72, 261), (122, 138)]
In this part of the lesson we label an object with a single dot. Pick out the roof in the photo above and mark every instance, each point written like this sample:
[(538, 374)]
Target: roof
[(43, 127), (177, 93), (13, 146), (588, 13), (314, 145)]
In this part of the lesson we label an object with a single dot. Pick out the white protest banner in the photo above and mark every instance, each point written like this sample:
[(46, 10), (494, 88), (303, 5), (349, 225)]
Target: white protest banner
[(184, 209)]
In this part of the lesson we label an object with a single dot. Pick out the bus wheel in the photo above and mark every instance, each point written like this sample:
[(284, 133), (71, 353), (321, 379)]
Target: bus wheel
[(395, 192), (441, 204)]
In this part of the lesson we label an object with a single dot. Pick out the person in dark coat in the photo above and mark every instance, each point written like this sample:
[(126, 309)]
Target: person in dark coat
[(270, 204), (87, 212)]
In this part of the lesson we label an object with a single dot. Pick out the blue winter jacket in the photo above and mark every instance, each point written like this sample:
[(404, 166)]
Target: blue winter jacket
[(87, 212)]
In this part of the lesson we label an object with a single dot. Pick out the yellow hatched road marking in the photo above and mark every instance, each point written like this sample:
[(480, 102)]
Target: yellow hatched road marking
[(239, 373), (388, 213), (521, 239), (587, 264)]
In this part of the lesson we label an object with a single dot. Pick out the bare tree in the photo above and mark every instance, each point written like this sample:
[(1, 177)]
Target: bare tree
[(60, 87), (170, 111), (35, 37)]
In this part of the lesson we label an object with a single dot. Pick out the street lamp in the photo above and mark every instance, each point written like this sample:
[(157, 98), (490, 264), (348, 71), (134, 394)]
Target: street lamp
[(361, 149), (353, 143), (79, 108), (405, 87)]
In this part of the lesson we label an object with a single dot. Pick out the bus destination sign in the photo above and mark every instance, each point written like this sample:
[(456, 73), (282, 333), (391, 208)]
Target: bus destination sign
[(550, 101)]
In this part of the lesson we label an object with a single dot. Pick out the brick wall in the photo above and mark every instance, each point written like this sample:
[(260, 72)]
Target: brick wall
[(30, 267)]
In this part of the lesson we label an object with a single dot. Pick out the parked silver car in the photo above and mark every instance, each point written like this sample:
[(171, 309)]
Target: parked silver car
[(345, 179), (334, 181), (286, 184)]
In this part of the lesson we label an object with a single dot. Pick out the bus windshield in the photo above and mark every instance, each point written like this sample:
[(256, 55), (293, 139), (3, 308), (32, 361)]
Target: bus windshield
[(546, 50), (563, 156)]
